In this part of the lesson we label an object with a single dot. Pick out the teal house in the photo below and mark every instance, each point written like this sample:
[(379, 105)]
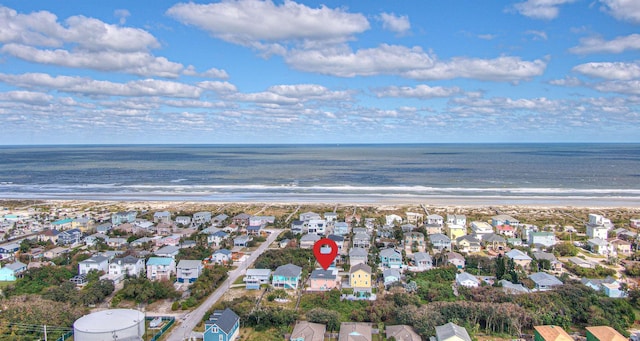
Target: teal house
[(7, 275), (286, 277), (391, 258), (222, 325)]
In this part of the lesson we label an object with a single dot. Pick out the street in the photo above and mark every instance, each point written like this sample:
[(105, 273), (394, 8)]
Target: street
[(183, 329)]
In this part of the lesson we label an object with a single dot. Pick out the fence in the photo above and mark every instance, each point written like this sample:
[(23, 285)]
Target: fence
[(66, 336), (164, 328)]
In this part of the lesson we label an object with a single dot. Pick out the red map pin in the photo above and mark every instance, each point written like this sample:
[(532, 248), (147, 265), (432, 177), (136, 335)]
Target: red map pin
[(325, 251)]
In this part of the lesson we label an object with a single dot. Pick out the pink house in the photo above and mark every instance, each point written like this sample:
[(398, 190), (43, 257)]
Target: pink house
[(505, 230), (173, 240), (323, 280)]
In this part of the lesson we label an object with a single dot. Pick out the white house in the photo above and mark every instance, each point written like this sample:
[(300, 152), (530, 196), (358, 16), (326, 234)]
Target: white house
[(480, 228), (543, 238), (316, 226), (392, 219), (222, 256), (184, 220), (188, 271), (596, 219), (309, 216), (468, 280), (128, 265), (435, 219), (457, 219), (162, 217), (597, 231), (98, 263), (601, 247)]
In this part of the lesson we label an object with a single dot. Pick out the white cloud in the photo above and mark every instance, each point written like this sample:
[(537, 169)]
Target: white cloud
[(628, 87), (421, 91), (567, 81), (293, 95), (122, 15), (501, 69), (28, 97), (627, 10), (217, 86), (248, 22), (540, 9), (599, 45), (137, 63), (537, 35), (211, 73), (610, 70), (86, 86), (487, 36), (394, 23)]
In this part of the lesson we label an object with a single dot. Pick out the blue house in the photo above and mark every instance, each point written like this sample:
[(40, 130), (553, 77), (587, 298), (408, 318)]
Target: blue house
[(341, 228), (286, 276), (391, 258), (222, 325), (7, 275)]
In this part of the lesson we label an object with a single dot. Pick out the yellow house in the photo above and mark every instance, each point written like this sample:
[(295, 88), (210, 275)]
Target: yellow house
[(360, 278), (455, 231)]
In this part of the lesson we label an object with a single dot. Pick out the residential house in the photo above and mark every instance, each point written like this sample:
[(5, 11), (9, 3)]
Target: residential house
[(63, 224), (308, 240), (355, 331), (262, 220), (286, 277), (219, 219), (609, 286), (421, 261), (168, 251), (503, 219), (550, 333), (49, 235), (307, 216), (392, 219), (583, 263), (188, 271), (362, 240), (468, 244), (435, 219), (455, 259), (597, 231), (514, 241), (494, 242), (358, 255), (440, 242), (601, 247), (341, 228), (8, 251), (307, 331), (542, 238), (70, 237), (468, 280), (457, 219), (415, 218), (160, 268), (543, 281), (222, 256), (286, 242), (98, 263), (596, 219), (604, 333), (414, 241), (242, 241), (432, 228), (546, 256), (298, 227), (455, 231), (451, 332), (519, 257), (391, 258), (480, 228), (330, 216), (7, 275), (162, 217), (407, 227), (323, 280), (17, 267), (402, 332), (513, 289), (622, 247), (123, 217), (635, 223), (256, 230), (173, 240), (339, 240), (217, 238), (128, 265), (506, 230), (390, 276), (360, 279), (116, 242), (200, 218), (104, 228), (316, 226), (141, 241), (183, 220), (222, 325), (55, 252), (254, 278)]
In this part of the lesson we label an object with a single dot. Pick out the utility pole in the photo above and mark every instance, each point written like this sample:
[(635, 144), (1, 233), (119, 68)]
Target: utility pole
[(45, 332)]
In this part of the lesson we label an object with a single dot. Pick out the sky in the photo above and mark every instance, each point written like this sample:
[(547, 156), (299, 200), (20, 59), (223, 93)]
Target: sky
[(263, 72)]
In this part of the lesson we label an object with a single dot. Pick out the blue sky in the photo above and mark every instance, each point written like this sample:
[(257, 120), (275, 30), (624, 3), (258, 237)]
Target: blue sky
[(86, 72)]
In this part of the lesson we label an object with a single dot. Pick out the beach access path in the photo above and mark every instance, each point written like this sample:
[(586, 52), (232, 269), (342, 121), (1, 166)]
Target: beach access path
[(186, 325)]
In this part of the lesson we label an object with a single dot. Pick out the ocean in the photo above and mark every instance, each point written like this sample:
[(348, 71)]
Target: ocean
[(581, 174)]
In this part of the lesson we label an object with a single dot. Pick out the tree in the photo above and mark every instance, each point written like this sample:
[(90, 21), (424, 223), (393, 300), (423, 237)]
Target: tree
[(329, 317)]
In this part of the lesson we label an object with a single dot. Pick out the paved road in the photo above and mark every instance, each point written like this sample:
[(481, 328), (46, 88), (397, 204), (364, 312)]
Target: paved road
[(182, 330)]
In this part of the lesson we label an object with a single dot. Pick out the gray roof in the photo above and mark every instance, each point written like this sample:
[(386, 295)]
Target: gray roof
[(493, 238), (15, 265), (322, 274), (224, 319), (288, 270), (389, 252), (95, 259), (418, 256), (360, 266), (391, 272), (189, 264), (516, 254), (258, 272), (439, 237), (402, 332), (598, 241), (544, 279), (310, 238), (358, 252), (469, 237), (223, 251), (169, 249), (545, 255), (336, 238), (450, 330), (465, 276), (513, 288), (127, 260)]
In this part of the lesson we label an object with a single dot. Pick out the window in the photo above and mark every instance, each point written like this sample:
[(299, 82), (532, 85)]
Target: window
[(214, 329), (220, 337)]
